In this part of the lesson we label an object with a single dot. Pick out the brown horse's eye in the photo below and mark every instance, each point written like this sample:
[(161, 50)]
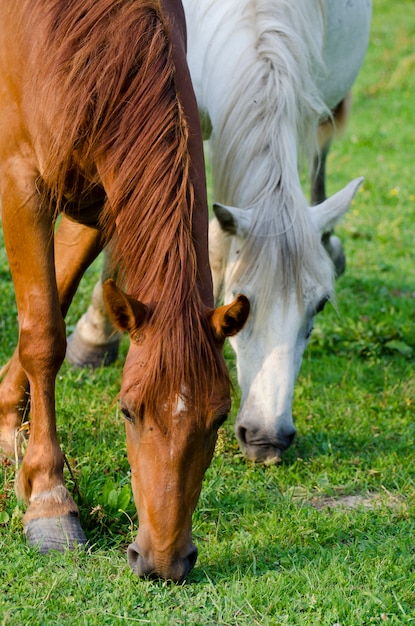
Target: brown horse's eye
[(221, 419), (127, 414)]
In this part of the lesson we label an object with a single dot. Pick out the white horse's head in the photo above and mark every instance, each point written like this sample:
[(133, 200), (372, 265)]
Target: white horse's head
[(270, 348)]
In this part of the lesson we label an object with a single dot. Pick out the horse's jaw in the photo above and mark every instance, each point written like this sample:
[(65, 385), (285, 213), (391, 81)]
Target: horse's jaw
[(267, 372)]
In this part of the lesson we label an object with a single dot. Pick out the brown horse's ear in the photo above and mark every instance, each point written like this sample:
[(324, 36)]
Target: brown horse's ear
[(126, 313), (228, 320)]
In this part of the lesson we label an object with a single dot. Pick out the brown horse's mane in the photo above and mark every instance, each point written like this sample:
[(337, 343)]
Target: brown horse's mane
[(107, 82)]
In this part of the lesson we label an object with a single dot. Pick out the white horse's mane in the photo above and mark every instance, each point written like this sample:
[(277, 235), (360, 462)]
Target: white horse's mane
[(269, 125)]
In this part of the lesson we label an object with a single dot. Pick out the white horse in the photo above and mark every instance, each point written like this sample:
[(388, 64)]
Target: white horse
[(267, 74)]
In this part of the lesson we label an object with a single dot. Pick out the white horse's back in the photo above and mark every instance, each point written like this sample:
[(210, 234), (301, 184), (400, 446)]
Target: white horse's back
[(213, 52), (345, 45), (223, 34)]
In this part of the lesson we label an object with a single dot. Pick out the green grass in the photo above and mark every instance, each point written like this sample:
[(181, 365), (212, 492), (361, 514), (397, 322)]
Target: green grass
[(277, 545)]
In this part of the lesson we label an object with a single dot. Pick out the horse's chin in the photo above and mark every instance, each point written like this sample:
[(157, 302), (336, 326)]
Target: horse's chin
[(259, 445), (266, 454), (145, 566)]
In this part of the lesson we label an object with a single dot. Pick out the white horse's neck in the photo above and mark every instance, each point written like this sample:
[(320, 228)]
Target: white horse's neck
[(258, 70), (263, 71), (253, 67)]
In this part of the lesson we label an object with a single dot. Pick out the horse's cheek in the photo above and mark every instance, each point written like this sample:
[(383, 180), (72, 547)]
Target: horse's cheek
[(133, 445)]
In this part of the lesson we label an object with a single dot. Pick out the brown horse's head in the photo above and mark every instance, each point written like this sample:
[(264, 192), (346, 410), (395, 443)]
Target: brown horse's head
[(171, 437)]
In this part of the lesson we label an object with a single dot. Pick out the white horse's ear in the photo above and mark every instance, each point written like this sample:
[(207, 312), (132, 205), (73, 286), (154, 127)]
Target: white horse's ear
[(328, 213), (232, 220)]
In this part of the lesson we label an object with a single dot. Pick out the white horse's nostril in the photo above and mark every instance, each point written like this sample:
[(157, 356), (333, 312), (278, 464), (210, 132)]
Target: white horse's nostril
[(241, 434), (260, 445)]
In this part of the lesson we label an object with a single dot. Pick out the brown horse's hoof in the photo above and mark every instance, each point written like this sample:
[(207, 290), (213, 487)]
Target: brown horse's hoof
[(80, 353), (55, 533)]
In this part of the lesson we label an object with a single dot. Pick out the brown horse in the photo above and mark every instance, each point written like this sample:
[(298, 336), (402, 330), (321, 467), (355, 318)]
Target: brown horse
[(99, 125)]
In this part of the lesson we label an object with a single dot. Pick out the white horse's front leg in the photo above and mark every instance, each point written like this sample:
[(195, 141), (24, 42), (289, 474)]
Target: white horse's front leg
[(94, 341), (218, 254)]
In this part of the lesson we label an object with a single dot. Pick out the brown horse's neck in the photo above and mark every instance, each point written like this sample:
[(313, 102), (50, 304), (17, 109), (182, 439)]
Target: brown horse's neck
[(115, 97), (197, 164)]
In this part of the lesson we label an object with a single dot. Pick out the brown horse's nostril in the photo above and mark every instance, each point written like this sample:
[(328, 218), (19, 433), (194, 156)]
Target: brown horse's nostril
[(191, 559), (144, 567), (136, 561)]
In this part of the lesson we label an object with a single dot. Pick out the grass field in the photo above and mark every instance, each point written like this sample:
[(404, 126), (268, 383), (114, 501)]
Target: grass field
[(328, 536)]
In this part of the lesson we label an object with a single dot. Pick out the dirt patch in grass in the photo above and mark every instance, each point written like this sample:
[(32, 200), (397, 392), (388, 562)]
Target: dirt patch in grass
[(356, 501)]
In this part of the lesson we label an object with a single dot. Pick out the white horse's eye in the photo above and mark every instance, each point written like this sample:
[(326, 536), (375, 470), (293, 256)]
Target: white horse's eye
[(322, 303), (309, 332)]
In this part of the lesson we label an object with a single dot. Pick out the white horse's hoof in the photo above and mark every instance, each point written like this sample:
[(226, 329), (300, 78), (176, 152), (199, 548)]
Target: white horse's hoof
[(80, 353)]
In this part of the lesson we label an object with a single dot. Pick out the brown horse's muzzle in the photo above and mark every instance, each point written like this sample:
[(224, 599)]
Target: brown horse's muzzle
[(148, 566)]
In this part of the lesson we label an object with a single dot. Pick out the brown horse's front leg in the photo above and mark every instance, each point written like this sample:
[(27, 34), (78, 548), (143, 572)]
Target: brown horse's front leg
[(76, 246), (28, 235), (51, 520), (95, 341)]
